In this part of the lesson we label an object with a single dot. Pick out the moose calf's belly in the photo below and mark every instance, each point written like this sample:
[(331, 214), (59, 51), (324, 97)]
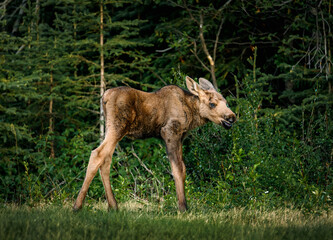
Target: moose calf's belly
[(144, 126), (142, 132)]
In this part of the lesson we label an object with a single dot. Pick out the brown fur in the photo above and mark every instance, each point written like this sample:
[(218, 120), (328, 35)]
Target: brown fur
[(168, 113)]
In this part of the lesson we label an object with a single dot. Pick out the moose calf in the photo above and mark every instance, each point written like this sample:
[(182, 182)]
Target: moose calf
[(168, 113)]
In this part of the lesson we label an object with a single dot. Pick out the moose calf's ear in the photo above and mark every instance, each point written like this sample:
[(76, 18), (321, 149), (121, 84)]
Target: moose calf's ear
[(192, 86), (205, 84)]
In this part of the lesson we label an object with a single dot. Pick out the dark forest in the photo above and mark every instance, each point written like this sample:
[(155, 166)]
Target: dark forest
[(272, 61)]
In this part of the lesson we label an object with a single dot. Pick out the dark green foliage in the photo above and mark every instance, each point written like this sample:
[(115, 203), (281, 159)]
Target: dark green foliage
[(273, 61)]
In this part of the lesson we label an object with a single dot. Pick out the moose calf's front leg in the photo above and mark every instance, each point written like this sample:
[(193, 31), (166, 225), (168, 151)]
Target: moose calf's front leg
[(171, 134), (178, 172)]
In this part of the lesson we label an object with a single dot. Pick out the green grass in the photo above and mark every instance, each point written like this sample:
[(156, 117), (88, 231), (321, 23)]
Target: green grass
[(56, 222)]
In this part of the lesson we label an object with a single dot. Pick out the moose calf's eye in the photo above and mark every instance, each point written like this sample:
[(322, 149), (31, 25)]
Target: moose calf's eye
[(212, 105)]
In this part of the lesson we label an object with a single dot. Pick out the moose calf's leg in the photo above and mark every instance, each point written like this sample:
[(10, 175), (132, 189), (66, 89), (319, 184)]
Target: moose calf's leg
[(97, 158), (172, 134), (105, 175), (94, 162), (178, 171)]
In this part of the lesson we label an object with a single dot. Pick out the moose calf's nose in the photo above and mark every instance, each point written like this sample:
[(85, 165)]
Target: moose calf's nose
[(231, 118)]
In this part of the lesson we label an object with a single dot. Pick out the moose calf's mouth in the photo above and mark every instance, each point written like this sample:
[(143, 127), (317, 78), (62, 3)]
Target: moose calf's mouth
[(226, 124)]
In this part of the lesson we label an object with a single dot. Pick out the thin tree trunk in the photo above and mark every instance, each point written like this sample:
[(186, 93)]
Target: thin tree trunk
[(37, 18), (209, 57), (74, 36), (330, 90), (51, 120), (102, 84), (254, 81)]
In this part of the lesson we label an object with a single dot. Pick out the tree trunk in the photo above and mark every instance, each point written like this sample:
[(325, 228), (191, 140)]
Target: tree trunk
[(102, 84), (329, 71), (51, 120), (205, 49)]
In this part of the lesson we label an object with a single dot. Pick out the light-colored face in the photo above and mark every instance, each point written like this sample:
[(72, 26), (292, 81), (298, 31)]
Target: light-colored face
[(213, 105)]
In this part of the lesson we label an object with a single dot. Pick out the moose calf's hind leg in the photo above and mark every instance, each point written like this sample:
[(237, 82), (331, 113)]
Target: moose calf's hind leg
[(97, 158), (93, 165), (105, 175)]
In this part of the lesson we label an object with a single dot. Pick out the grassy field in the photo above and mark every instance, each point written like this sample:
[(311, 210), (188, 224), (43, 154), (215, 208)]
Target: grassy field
[(135, 221)]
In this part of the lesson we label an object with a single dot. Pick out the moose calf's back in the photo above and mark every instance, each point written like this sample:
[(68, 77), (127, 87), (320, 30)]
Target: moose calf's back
[(139, 114)]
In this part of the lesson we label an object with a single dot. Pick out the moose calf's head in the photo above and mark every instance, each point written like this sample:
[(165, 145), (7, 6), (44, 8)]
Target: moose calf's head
[(213, 105)]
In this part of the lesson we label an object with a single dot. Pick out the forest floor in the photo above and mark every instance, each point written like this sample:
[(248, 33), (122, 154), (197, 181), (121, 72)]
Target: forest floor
[(137, 220)]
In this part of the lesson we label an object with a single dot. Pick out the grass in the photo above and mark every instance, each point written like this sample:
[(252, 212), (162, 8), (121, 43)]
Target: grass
[(137, 221)]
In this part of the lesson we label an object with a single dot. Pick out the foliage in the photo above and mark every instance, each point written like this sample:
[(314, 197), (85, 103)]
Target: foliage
[(272, 60)]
